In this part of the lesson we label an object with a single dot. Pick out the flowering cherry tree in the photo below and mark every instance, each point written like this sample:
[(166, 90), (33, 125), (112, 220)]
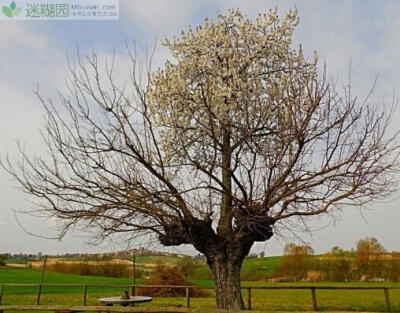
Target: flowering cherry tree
[(235, 138)]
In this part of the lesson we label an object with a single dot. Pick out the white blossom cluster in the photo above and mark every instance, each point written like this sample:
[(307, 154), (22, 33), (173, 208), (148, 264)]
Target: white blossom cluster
[(233, 73)]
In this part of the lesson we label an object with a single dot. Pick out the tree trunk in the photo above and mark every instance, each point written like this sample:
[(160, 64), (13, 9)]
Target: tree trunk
[(227, 284)]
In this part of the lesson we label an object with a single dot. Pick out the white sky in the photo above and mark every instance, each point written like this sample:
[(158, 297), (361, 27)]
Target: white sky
[(363, 33)]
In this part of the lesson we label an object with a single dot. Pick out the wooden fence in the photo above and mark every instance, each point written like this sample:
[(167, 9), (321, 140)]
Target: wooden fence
[(248, 289), (71, 309)]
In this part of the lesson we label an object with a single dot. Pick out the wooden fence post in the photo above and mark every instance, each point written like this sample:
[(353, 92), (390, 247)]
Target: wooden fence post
[(38, 294), (314, 299), (41, 281), (1, 296), (187, 297), (85, 295), (386, 293), (133, 288), (249, 298)]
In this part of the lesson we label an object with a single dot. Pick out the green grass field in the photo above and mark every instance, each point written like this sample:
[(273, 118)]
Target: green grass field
[(253, 269), (286, 300)]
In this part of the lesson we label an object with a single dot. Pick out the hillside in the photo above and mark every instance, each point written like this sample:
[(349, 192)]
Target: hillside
[(253, 268)]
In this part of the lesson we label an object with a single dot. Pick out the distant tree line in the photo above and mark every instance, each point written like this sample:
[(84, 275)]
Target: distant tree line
[(185, 267), (368, 262)]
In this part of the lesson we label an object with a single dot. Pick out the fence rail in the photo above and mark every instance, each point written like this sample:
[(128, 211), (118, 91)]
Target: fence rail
[(86, 287)]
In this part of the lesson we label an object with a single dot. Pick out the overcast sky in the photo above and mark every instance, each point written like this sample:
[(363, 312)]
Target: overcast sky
[(362, 33)]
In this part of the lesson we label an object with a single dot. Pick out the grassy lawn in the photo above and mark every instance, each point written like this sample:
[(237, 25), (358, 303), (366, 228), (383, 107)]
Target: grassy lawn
[(282, 300), (31, 276)]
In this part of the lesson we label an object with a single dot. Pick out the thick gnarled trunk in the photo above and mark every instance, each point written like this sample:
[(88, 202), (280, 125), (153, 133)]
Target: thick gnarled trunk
[(225, 254), (227, 283)]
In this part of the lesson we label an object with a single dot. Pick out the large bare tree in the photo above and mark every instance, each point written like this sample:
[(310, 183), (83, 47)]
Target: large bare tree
[(237, 136)]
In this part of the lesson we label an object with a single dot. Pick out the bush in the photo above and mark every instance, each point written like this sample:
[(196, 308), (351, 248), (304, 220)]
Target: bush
[(164, 275), (336, 269), (187, 266), (106, 269), (392, 270), (3, 258), (314, 276)]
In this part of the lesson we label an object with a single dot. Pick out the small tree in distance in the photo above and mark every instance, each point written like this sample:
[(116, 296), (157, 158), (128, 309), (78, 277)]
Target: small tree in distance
[(238, 137), (187, 266), (368, 257), (295, 261), (337, 251)]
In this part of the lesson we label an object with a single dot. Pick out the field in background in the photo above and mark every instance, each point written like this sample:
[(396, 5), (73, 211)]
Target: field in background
[(290, 300), (254, 269)]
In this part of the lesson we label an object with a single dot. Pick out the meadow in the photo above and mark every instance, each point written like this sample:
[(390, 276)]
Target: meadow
[(279, 300)]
